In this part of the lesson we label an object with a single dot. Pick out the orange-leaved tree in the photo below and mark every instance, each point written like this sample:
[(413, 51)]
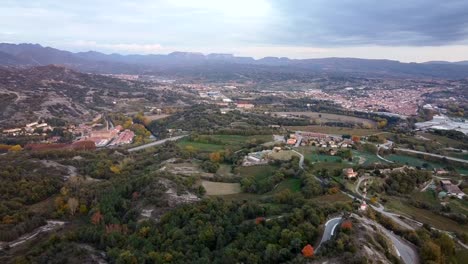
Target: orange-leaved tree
[(308, 251), (347, 225)]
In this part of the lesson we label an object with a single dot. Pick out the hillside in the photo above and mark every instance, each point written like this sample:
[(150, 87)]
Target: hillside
[(222, 65), (55, 91)]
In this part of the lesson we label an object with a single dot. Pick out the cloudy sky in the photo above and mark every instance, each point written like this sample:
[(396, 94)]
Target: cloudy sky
[(406, 30)]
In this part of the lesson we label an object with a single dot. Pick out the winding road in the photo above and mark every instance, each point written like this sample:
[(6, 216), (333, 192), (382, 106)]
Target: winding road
[(329, 231), (405, 250)]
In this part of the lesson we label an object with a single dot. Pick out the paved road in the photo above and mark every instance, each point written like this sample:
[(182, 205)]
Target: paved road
[(155, 143), (405, 250), (386, 145), (431, 154), (329, 231)]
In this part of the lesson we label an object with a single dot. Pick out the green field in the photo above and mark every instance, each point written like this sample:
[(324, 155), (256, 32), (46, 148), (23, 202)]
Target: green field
[(283, 155), (413, 161), (424, 216), (332, 198), (225, 141), (326, 117), (292, 184), (203, 147), (335, 130), (368, 158), (224, 170), (238, 139), (259, 172)]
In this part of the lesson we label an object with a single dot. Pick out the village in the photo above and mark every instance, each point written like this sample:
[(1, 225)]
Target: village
[(93, 131)]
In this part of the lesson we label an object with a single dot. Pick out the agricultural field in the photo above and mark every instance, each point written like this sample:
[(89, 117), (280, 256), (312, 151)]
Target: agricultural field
[(335, 130), (417, 162), (332, 198), (221, 142), (293, 184), (186, 169), (259, 172), (224, 170), (202, 147), (221, 188), (283, 155), (424, 216), (365, 158), (325, 117)]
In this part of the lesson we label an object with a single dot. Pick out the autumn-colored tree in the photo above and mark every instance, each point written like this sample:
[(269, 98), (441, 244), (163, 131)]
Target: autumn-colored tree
[(308, 251), (16, 148), (356, 138), (347, 225), (115, 169), (373, 200), (97, 217), (215, 157), (259, 220), (72, 205), (333, 190), (83, 209), (144, 231), (4, 148), (430, 251), (382, 123), (135, 195)]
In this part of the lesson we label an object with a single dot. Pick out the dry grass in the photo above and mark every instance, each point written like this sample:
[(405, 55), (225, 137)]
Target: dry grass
[(221, 188), (283, 155), (325, 117)]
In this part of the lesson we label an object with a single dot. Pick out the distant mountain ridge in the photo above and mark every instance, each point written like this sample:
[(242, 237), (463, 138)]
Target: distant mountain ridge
[(198, 63)]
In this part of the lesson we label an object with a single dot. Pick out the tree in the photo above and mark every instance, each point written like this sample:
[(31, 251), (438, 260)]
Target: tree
[(446, 244), (215, 157), (356, 138), (308, 251), (431, 252), (16, 148), (347, 225), (83, 209), (72, 205), (115, 169), (97, 217)]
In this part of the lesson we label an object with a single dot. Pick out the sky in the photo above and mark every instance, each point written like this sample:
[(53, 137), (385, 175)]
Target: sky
[(405, 30)]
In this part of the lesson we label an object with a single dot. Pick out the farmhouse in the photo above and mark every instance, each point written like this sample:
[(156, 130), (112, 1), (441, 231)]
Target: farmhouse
[(452, 189), (349, 173)]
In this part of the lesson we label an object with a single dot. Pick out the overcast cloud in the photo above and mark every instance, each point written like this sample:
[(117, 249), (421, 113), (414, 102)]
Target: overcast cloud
[(407, 30)]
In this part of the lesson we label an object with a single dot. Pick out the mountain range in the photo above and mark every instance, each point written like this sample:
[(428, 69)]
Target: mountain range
[(24, 55)]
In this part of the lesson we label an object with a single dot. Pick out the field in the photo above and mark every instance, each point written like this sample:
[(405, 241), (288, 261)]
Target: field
[(203, 147), (424, 216), (325, 117), (283, 155), (413, 161), (221, 188), (335, 130), (292, 184), (224, 170), (225, 141), (365, 158), (259, 172), (332, 198)]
